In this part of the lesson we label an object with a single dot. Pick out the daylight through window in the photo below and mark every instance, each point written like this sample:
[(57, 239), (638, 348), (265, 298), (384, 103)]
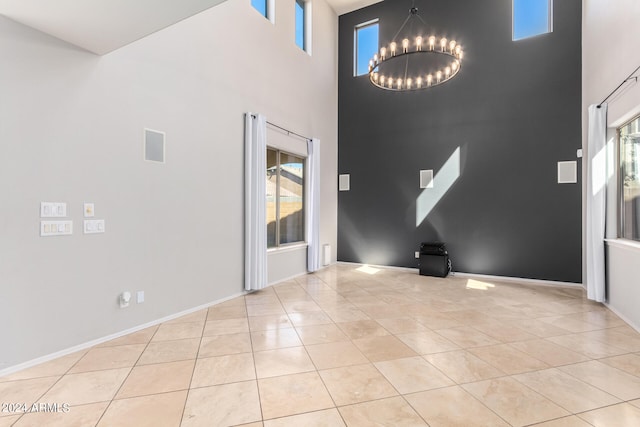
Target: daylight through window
[(531, 18), (285, 198)]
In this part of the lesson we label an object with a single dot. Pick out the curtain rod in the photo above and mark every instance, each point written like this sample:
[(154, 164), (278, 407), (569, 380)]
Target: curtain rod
[(285, 130), (631, 77)]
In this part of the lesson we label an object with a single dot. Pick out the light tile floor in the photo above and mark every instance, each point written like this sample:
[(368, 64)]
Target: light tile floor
[(346, 347)]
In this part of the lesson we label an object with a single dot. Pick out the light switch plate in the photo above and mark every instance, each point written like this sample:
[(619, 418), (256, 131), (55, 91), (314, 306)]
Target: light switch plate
[(344, 182), (94, 226), (53, 209), (56, 228), (426, 178)]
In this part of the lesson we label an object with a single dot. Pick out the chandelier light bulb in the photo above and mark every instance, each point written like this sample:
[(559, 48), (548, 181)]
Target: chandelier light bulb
[(432, 42), (419, 82), (454, 66), (447, 72), (399, 83), (370, 65), (419, 43), (375, 58), (392, 48), (405, 45), (382, 80), (452, 45), (429, 79), (438, 76), (375, 77), (460, 54), (458, 50), (383, 53), (443, 43), (390, 82), (409, 83)]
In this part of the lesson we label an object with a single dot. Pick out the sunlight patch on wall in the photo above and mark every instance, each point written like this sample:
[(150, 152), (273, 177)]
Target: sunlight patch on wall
[(442, 182)]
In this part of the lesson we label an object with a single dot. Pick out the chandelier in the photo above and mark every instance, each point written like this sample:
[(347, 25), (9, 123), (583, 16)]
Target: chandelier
[(414, 64)]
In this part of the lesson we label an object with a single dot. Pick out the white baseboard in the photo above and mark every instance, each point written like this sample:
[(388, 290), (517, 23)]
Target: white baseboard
[(57, 354), (623, 317), (480, 276)]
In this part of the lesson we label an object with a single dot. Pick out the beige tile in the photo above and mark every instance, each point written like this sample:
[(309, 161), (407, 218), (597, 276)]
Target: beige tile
[(229, 312), (614, 381), (548, 352), (77, 416), (261, 298), (346, 314), (220, 345), (412, 374), (178, 331), (101, 358), (9, 420), (377, 349), (170, 351), (158, 378), (226, 326), (335, 355), (325, 418), (25, 391), (256, 424), (157, 410), (310, 318), (437, 320), (199, 316), (569, 323), (453, 407), (508, 359), (427, 342), (629, 363), (588, 347), (394, 411), (622, 415), (538, 328), (54, 367), (616, 339), (293, 394), (503, 332), (463, 367), (233, 302), (565, 390), (87, 387), (223, 369), (320, 334), (236, 403), (300, 306), (572, 421), (269, 322), (275, 338), (402, 325), (283, 361), (355, 384), (515, 402), (467, 337), (362, 329), (141, 337), (635, 403), (265, 309)]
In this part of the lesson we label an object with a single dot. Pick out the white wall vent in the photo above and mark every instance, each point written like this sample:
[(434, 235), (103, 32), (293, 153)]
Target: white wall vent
[(154, 145), (567, 172)]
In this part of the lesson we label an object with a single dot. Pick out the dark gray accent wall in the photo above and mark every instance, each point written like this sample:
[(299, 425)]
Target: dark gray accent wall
[(512, 113)]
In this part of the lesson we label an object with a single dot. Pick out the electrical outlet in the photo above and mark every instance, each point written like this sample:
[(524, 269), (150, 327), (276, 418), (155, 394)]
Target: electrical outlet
[(417, 254)]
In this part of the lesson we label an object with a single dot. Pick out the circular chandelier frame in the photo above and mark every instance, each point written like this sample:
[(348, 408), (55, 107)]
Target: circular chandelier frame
[(433, 46)]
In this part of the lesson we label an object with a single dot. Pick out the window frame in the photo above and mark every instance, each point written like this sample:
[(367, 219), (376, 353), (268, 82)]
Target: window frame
[(269, 10), (278, 244), (306, 24), (513, 22), (375, 21), (620, 162)]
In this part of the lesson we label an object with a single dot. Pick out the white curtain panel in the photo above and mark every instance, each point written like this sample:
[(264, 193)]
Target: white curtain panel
[(596, 202), (313, 205), (255, 199)]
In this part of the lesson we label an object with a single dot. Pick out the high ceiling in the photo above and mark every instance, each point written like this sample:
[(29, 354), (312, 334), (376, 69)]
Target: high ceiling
[(101, 26)]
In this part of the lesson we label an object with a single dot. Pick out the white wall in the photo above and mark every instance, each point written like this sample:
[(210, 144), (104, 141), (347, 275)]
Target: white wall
[(610, 54), (71, 127)]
